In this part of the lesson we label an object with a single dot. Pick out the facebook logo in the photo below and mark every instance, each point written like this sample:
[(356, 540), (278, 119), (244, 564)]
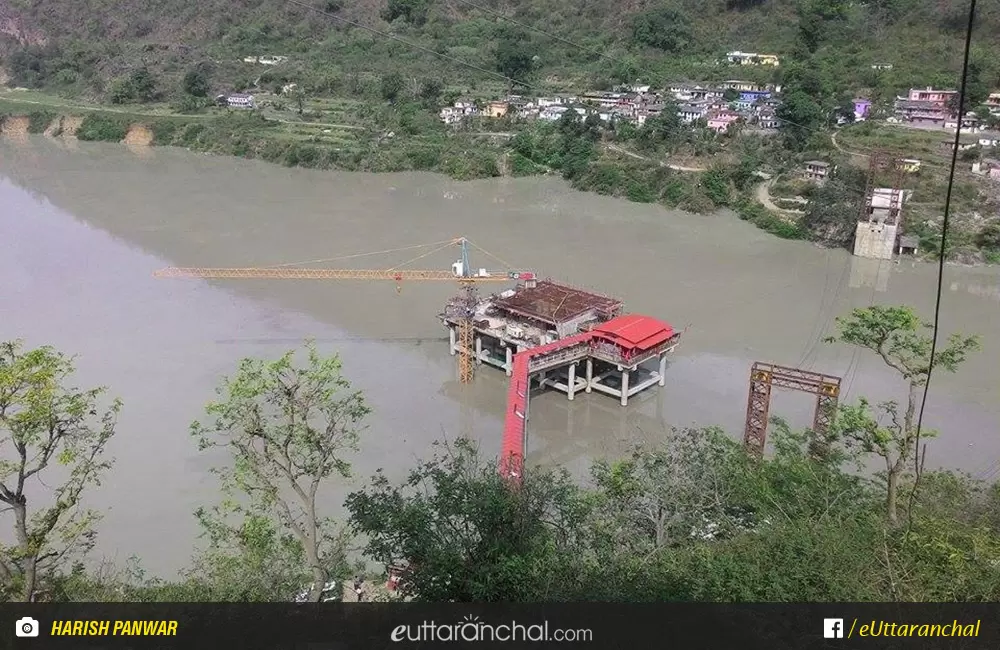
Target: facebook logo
[(833, 628)]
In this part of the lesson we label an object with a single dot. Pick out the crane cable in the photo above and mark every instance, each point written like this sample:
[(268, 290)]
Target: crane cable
[(352, 256), (944, 236)]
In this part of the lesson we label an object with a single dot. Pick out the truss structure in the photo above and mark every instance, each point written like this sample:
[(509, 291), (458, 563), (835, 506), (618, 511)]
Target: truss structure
[(766, 376), (881, 161)]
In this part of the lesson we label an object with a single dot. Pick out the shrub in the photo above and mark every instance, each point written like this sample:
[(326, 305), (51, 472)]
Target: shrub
[(102, 128)]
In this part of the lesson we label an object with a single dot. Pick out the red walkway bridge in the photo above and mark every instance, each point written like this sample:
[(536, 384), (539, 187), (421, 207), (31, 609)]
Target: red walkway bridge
[(625, 341)]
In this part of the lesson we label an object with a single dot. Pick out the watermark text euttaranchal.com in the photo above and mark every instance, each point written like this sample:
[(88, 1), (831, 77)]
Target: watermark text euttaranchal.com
[(471, 629)]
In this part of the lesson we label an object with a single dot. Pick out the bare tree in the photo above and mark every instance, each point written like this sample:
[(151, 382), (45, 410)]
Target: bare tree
[(286, 428), (52, 431)]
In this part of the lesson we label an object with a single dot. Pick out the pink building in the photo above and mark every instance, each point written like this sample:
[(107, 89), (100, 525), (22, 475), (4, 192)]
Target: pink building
[(719, 122), (930, 95)]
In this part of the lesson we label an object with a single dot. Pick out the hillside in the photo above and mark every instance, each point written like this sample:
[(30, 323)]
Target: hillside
[(77, 47)]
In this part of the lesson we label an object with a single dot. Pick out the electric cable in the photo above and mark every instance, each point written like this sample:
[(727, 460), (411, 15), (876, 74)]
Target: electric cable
[(944, 225)]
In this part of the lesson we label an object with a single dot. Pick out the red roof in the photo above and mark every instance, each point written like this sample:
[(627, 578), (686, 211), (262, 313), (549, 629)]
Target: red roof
[(635, 331)]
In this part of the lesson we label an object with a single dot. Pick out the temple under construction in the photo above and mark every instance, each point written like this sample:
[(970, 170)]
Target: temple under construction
[(541, 331)]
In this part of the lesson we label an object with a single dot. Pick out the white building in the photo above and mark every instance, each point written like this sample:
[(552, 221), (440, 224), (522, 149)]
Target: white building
[(237, 100)]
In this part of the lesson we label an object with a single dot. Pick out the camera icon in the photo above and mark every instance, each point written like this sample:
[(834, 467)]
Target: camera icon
[(26, 627)]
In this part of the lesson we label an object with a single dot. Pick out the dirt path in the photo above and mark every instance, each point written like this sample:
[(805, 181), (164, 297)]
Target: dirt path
[(631, 154), (764, 197)]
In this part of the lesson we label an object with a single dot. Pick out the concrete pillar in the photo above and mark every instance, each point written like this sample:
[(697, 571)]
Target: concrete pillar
[(571, 383), (452, 341), (510, 362), (663, 368), (590, 373), (624, 387), (479, 351)]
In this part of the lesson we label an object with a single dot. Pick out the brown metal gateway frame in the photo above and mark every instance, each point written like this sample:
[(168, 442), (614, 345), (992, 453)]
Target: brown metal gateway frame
[(764, 376)]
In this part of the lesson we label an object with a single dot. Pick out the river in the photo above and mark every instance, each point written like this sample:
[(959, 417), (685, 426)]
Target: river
[(83, 226)]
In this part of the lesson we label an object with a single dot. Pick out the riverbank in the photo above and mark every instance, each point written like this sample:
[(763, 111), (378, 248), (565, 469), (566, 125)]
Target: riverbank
[(540, 150)]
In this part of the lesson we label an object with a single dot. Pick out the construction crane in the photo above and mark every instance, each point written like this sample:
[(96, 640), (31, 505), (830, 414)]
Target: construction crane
[(461, 271)]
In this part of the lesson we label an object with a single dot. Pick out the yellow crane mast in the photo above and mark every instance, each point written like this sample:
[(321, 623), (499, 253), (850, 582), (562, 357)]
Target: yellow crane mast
[(460, 272)]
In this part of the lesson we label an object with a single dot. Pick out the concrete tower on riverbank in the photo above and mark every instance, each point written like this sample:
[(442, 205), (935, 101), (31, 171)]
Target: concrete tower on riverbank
[(881, 210)]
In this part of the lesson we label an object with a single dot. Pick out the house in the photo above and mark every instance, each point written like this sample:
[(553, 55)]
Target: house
[(751, 58), (989, 142), (988, 167), (908, 244), (754, 96), (881, 66), (545, 102), (862, 106), (648, 111), (602, 99), (236, 100), (699, 93), (922, 111), (496, 109), (817, 170), (740, 85), (909, 165), (287, 88), (267, 59), (740, 58), (721, 121), (969, 123), (552, 113), (458, 111), (768, 120), (691, 112), (929, 94)]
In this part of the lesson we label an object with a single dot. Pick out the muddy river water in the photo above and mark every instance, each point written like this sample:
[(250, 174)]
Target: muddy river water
[(82, 227)]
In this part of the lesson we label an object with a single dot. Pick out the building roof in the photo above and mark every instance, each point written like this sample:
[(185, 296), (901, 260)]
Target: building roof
[(554, 303), (635, 331), (909, 241), (817, 163)]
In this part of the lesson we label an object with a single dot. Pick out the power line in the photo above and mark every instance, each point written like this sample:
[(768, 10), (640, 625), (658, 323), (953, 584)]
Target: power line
[(944, 224), (393, 37), (532, 28)]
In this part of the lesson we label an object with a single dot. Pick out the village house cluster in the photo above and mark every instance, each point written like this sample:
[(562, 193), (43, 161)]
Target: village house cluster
[(717, 107), (931, 107)]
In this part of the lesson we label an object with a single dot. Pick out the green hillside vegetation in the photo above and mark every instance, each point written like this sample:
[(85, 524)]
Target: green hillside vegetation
[(89, 43)]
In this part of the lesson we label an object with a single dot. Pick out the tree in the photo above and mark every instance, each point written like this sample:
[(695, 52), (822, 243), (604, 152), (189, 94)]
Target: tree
[(299, 97), (513, 60), (799, 116), (465, 536), (392, 84), (195, 82), (51, 436), (743, 5), (143, 84), (430, 90), (902, 341), (412, 11), (989, 237), (287, 428), (666, 28), (663, 130)]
